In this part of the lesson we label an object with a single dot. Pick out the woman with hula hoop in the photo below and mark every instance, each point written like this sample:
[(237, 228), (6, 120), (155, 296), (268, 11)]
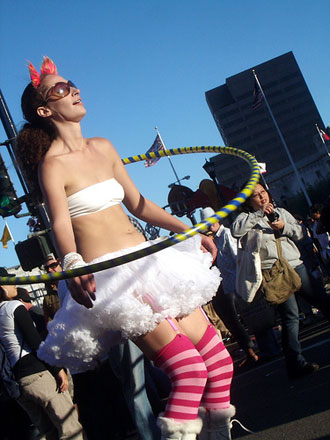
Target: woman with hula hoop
[(154, 301)]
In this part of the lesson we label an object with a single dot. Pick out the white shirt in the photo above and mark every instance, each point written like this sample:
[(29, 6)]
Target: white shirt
[(10, 336)]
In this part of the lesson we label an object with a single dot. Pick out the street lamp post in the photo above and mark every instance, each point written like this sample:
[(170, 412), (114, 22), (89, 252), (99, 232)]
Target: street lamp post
[(178, 181)]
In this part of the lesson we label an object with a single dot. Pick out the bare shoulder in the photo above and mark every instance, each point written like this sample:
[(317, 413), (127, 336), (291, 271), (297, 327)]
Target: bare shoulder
[(100, 142), (54, 169), (50, 165), (104, 145)]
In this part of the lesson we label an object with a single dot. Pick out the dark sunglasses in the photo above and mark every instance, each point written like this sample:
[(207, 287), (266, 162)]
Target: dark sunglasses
[(59, 90), (47, 267)]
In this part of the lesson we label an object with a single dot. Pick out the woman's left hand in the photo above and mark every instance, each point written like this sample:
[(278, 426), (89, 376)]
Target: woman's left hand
[(209, 246), (278, 225), (83, 289)]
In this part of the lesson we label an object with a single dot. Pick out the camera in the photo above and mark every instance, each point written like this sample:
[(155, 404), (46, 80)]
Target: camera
[(273, 216)]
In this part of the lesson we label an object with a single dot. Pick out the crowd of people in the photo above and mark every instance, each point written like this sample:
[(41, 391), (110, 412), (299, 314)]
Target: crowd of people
[(137, 388), (134, 340)]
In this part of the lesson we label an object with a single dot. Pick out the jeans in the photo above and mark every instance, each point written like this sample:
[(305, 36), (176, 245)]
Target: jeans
[(127, 362), (290, 329), (314, 294)]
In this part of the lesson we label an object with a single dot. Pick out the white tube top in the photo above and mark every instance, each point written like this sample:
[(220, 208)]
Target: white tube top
[(95, 198)]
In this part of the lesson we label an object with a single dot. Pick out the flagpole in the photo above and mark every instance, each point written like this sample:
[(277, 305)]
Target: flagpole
[(11, 235), (283, 142), (168, 157), (322, 139), (262, 171)]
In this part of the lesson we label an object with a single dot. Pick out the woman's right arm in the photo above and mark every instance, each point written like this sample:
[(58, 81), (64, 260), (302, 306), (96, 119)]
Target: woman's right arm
[(245, 222), (52, 185)]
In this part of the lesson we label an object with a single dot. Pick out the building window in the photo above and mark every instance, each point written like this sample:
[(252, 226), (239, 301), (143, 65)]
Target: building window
[(226, 114), (232, 123)]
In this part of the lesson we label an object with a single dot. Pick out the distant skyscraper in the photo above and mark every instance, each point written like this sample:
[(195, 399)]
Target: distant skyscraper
[(244, 122)]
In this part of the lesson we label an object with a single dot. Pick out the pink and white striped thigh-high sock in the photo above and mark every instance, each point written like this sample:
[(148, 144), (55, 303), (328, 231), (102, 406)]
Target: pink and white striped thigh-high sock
[(219, 368), (186, 369)]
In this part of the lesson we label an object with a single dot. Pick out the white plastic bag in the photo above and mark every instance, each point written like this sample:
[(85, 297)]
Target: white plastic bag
[(248, 268)]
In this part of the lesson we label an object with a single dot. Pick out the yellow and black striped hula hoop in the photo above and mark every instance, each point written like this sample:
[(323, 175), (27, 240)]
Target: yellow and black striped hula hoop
[(177, 238)]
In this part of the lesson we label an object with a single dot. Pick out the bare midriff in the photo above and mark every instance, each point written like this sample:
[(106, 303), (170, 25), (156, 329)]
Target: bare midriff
[(103, 232)]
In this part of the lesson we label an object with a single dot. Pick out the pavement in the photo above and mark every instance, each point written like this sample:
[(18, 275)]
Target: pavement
[(275, 408)]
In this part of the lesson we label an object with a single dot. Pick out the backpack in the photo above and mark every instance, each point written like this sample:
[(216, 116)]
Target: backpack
[(9, 388)]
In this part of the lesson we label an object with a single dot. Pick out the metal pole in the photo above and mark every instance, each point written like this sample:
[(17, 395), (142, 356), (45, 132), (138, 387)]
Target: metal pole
[(173, 169), (283, 142), (11, 132)]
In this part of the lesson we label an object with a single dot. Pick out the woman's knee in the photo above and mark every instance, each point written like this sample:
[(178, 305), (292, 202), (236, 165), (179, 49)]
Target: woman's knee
[(180, 360)]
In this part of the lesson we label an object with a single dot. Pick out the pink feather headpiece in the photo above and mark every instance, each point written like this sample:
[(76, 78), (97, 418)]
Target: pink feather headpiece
[(47, 68)]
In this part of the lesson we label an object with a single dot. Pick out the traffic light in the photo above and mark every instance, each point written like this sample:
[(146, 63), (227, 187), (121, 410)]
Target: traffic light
[(178, 199), (33, 251), (8, 198)]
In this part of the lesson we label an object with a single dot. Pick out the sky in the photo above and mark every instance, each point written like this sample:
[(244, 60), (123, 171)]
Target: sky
[(146, 63)]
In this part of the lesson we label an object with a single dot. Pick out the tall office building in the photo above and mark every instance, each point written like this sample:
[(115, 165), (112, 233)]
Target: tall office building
[(253, 129)]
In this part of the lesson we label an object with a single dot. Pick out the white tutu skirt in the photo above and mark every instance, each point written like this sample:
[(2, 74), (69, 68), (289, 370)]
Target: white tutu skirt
[(131, 300)]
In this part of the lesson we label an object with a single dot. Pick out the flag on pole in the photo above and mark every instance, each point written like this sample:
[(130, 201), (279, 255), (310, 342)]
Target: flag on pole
[(257, 96), (6, 236), (156, 146), (262, 167), (325, 136)]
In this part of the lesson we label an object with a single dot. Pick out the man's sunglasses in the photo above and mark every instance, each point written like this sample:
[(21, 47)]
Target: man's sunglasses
[(53, 266), (59, 90)]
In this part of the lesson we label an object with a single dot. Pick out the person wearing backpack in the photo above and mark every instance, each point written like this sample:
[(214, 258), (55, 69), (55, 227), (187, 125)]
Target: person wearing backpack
[(43, 388)]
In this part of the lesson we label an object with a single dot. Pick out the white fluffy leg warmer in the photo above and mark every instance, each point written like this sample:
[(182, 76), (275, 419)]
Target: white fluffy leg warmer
[(216, 423), (172, 429)]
